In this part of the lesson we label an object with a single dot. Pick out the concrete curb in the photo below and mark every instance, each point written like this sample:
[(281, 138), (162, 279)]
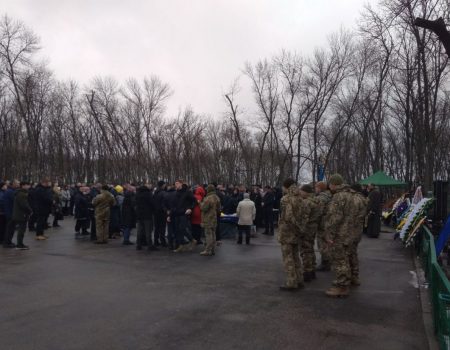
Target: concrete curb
[(425, 301)]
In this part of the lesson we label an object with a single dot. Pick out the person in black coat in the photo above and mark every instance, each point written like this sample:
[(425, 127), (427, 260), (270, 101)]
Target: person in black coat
[(169, 204), (115, 213), (82, 216), (160, 214), (180, 213), (43, 201), (267, 204), (128, 214), (8, 205), (256, 198), (144, 216), (231, 202), (374, 219)]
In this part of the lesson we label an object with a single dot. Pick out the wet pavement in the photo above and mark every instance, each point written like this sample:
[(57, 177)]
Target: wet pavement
[(72, 294)]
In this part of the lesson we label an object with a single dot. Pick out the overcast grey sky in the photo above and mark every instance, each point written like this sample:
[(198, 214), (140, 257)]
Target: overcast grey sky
[(197, 46)]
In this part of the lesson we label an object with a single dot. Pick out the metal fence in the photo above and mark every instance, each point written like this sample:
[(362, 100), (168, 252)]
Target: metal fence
[(439, 286)]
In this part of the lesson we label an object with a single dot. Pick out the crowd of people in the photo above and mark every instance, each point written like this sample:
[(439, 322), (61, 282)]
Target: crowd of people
[(179, 217), (107, 212)]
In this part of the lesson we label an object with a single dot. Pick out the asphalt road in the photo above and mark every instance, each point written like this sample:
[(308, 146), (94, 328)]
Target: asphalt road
[(68, 294)]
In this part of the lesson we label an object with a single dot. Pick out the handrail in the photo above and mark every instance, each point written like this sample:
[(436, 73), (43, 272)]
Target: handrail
[(439, 286)]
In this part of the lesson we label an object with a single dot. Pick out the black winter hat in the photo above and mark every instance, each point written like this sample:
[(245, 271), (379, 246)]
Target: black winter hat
[(161, 183)]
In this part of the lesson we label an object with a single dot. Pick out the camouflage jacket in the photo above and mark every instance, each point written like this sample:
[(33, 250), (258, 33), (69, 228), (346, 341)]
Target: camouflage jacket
[(358, 212), (324, 199), (210, 208), (293, 217), (312, 213), (103, 203), (339, 222)]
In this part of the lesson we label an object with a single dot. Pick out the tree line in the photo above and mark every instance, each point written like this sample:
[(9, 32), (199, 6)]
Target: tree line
[(374, 98)]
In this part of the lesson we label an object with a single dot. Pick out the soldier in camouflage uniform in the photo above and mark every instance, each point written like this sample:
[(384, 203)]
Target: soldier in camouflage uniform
[(289, 229), (358, 213), (324, 198), (102, 204), (338, 226), (311, 212), (210, 208)]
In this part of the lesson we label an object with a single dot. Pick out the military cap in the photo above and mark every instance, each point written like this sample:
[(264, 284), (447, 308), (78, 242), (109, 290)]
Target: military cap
[(336, 180)]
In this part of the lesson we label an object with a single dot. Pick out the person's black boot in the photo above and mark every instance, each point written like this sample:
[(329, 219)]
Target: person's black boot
[(309, 276), (247, 240)]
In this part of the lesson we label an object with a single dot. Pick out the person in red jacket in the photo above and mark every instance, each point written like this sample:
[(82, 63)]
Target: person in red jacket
[(196, 217)]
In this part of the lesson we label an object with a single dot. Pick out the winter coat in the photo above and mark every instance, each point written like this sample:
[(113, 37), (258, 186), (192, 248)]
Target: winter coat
[(65, 196), (43, 200), (246, 212), (8, 202), (339, 222), (199, 194), (31, 198), (57, 204), (210, 208), (22, 209), (375, 202), (293, 217), (230, 204), (358, 211), (184, 200), (256, 198), (102, 204), (81, 206), (311, 206), (2, 202), (159, 199), (324, 199), (129, 210), (144, 203), (115, 216), (170, 201), (268, 201), (277, 198)]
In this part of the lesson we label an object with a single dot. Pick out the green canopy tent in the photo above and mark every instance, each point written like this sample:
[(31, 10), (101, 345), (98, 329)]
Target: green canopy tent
[(381, 179)]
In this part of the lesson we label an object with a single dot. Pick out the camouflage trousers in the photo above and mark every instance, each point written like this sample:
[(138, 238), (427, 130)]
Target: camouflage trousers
[(340, 262), (323, 247), (210, 237), (102, 229), (292, 265), (354, 262), (307, 251)]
